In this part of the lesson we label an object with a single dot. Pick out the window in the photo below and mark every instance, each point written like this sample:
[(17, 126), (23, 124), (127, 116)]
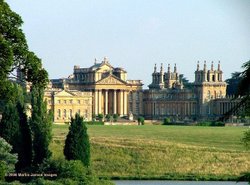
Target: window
[(86, 113), (208, 94), (64, 113), (79, 101), (70, 112), (58, 101), (59, 113), (49, 101), (70, 101), (65, 101)]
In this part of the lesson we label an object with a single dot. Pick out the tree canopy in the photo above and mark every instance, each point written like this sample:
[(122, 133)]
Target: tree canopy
[(15, 54)]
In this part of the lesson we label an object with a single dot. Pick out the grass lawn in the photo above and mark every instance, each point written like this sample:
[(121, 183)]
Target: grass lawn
[(162, 151)]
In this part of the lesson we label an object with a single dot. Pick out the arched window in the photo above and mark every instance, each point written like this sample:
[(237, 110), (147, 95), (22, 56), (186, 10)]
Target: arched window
[(70, 113)]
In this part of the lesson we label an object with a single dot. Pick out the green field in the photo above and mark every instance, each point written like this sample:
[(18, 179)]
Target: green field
[(168, 152)]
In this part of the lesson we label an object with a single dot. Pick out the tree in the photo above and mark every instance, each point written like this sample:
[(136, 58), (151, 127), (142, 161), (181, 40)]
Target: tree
[(77, 146), (246, 139), (244, 88), (25, 143), (9, 125), (14, 52), (186, 82), (233, 83), (41, 125), (15, 130), (7, 160)]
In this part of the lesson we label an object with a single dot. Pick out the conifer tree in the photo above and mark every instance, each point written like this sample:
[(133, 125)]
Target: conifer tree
[(9, 126), (77, 145), (25, 147), (14, 128), (40, 123)]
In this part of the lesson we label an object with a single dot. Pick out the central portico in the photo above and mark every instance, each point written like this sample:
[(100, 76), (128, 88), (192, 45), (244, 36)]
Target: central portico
[(110, 96)]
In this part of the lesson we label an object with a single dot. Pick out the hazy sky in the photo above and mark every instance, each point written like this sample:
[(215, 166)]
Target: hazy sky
[(136, 34)]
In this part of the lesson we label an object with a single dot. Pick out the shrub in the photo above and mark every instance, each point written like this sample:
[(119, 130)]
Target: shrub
[(246, 139), (166, 121), (100, 117), (213, 123), (115, 117), (140, 120), (108, 117)]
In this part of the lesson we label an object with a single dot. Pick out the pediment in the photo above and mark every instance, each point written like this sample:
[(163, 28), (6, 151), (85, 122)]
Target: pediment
[(111, 80), (64, 93)]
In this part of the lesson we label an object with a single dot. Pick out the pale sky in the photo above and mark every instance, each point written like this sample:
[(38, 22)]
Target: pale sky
[(136, 34)]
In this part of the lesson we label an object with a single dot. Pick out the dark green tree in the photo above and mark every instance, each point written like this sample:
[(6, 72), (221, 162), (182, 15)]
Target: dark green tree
[(77, 145), (233, 83), (244, 89), (15, 130), (41, 125), (186, 82), (9, 126), (14, 52), (25, 142)]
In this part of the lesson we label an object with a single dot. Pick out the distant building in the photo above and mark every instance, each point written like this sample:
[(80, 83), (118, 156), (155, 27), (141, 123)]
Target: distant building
[(104, 89), (107, 87)]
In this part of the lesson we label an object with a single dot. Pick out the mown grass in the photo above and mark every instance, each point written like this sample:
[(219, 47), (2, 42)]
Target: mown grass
[(170, 152)]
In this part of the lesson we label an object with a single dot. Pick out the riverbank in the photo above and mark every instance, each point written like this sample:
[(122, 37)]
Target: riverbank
[(163, 152)]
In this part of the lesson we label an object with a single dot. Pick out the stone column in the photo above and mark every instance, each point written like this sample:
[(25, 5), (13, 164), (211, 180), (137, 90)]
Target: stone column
[(100, 101), (125, 103), (96, 102), (106, 101), (115, 103), (121, 102)]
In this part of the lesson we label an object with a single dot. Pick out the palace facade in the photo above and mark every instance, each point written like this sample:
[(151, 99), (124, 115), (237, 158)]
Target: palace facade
[(104, 89)]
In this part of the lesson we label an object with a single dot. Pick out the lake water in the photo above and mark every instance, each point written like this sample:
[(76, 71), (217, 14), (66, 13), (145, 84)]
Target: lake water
[(161, 182)]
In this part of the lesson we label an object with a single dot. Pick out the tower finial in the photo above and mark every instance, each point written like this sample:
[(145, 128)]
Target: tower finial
[(212, 66), (175, 68), (161, 68), (155, 69), (168, 68), (205, 66), (95, 60), (219, 66), (198, 65)]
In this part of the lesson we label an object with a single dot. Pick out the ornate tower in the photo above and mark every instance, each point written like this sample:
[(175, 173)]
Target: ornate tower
[(208, 86)]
